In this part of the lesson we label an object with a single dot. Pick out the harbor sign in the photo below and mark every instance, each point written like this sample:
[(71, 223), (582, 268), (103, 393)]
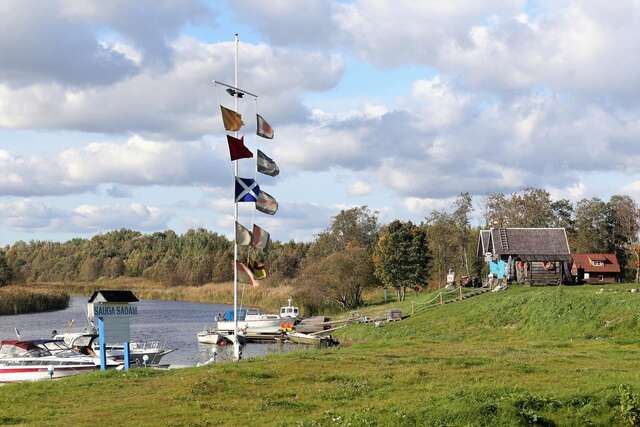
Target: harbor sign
[(112, 311)]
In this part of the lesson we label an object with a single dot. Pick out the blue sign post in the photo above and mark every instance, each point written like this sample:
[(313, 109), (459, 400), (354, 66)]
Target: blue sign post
[(101, 341)]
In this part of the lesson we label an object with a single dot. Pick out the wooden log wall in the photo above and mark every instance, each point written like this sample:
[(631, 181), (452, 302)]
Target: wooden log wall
[(538, 275)]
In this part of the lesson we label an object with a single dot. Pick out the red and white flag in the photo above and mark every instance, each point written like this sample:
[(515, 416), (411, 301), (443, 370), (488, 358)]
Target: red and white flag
[(264, 129), (259, 238)]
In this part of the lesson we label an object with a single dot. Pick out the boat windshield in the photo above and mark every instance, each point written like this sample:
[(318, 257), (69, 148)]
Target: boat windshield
[(82, 341), (22, 349), (55, 346)]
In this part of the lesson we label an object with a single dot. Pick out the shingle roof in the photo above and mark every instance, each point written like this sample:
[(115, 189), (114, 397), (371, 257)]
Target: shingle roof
[(529, 244), (610, 261), (113, 296)]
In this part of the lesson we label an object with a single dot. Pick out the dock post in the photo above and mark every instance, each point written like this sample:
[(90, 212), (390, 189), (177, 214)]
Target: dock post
[(127, 361), (103, 346)]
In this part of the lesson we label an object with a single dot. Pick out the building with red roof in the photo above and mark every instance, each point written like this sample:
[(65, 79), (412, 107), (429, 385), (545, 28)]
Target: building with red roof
[(595, 268)]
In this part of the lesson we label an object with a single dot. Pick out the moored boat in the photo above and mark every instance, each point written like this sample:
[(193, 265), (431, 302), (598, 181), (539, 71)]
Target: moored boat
[(140, 353), (250, 321), (36, 360), (289, 311), (209, 336)]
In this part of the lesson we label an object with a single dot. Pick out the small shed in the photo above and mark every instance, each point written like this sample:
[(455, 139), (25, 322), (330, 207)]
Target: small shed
[(535, 256), (595, 268)]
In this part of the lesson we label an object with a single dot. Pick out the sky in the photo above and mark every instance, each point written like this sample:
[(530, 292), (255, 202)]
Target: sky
[(109, 118)]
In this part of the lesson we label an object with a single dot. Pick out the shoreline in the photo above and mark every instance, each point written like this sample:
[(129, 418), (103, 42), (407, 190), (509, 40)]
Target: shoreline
[(265, 298)]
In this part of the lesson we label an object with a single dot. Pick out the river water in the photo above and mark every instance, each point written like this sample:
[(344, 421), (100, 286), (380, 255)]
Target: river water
[(173, 323)]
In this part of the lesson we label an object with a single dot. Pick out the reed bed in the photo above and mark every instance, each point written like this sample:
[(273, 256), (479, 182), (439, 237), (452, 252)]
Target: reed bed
[(20, 300), (265, 297)]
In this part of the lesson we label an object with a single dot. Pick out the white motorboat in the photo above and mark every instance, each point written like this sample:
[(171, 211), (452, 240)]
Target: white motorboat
[(140, 353), (40, 360), (209, 336), (250, 321), (215, 337), (252, 324), (289, 311)]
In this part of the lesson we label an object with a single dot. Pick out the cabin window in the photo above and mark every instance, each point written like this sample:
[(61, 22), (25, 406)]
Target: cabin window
[(597, 263), (601, 277)]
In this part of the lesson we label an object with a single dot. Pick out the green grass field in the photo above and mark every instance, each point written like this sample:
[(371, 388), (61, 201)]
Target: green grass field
[(528, 356)]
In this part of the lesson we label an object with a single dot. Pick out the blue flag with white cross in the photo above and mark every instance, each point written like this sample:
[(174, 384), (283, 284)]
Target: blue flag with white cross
[(247, 190)]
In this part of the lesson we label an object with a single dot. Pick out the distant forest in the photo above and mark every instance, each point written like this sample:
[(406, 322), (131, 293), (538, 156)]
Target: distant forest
[(444, 239)]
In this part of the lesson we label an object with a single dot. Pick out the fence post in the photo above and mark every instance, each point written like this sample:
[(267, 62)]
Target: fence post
[(460, 293), (441, 298), (413, 307)]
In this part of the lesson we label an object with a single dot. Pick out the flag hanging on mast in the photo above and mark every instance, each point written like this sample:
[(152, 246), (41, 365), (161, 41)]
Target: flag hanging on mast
[(243, 235), (259, 238), (264, 129), (245, 274), (266, 165), (232, 120), (259, 271), (237, 149), (247, 190), (265, 203)]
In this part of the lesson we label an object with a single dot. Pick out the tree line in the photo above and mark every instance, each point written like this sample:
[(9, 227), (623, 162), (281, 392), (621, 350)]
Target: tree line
[(354, 253)]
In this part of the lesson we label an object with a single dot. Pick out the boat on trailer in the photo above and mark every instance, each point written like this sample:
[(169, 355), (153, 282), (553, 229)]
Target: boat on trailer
[(34, 360)]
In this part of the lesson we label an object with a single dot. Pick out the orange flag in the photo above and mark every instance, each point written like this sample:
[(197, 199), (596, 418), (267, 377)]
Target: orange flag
[(232, 120)]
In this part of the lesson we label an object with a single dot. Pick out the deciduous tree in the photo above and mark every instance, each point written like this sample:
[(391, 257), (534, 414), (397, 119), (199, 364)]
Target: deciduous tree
[(401, 256), (5, 270)]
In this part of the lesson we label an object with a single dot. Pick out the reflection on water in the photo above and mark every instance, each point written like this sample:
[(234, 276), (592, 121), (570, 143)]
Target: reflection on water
[(173, 323)]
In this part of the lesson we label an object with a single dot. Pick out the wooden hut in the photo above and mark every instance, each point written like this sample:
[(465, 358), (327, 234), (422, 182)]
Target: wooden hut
[(595, 268), (535, 256)]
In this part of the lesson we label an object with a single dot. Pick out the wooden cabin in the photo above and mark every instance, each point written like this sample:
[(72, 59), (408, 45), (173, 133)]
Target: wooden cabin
[(595, 268), (535, 256)]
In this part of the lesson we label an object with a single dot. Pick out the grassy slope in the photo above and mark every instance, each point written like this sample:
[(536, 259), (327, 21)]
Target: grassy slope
[(545, 355)]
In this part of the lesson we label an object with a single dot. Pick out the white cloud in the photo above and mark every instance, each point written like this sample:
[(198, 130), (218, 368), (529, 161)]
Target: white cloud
[(134, 215), (138, 162), (179, 102), (423, 206), (30, 215), (61, 41), (359, 188)]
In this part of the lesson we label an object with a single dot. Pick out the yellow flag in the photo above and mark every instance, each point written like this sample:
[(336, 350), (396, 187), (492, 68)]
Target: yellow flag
[(232, 120)]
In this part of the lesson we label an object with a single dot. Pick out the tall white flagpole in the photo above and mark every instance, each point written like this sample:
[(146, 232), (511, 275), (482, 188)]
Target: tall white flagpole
[(236, 342)]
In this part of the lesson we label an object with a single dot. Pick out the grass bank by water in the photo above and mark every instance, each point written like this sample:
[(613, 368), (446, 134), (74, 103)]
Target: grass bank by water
[(19, 300), (528, 356)]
